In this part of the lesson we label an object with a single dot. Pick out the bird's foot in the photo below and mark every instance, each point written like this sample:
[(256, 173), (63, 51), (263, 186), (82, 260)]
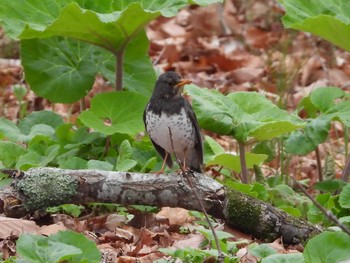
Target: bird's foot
[(157, 172)]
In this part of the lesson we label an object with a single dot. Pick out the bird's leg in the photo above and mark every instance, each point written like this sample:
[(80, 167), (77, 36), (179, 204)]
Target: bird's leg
[(163, 165), (184, 161), (161, 171)]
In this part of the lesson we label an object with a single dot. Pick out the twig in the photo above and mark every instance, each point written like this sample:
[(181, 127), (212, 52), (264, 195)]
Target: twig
[(221, 256), (155, 62), (326, 212)]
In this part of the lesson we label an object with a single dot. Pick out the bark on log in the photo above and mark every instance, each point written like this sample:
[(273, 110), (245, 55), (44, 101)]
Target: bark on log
[(40, 188)]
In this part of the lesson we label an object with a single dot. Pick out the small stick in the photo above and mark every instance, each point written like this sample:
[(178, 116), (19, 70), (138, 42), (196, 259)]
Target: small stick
[(221, 256)]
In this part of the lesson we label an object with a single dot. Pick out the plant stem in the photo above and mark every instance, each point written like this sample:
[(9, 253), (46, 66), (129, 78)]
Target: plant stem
[(346, 140), (244, 170), (119, 69), (82, 104), (282, 157), (319, 166), (346, 172), (107, 145)]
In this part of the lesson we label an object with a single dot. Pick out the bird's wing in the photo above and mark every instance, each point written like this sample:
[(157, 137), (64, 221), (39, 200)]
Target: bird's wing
[(159, 149), (198, 144)]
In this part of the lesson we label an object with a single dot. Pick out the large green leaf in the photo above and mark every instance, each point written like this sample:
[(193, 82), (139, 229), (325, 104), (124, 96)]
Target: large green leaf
[(329, 19), (323, 105), (63, 70), (115, 112), (59, 69), (323, 98), (90, 253), (232, 162), (109, 30), (261, 119), (315, 133), (214, 111), (241, 114), (109, 24), (328, 247), (138, 73), (341, 112), (39, 249)]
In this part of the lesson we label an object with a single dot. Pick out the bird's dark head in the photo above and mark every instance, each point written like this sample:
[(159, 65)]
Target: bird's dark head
[(169, 85)]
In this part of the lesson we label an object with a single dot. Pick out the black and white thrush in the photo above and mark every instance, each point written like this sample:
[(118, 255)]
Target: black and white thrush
[(172, 125)]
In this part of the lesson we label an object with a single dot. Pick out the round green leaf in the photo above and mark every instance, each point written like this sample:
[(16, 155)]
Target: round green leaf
[(57, 68), (115, 112)]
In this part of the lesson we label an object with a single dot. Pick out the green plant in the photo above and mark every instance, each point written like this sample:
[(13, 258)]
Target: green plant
[(320, 17), (70, 209), (61, 54), (322, 106), (246, 116), (207, 249), (65, 246)]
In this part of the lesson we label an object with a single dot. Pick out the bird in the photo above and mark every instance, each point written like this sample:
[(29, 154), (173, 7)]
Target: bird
[(172, 124)]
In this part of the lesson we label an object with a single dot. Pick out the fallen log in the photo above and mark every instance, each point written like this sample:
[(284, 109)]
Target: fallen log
[(39, 188)]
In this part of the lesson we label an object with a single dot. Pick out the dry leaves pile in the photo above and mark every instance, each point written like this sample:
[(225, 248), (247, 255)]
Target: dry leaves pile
[(240, 45)]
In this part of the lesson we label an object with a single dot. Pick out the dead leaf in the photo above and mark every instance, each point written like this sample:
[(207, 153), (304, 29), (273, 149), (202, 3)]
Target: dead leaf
[(177, 216), (52, 229), (114, 220), (14, 227), (191, 240), (124, 235), (243, 74)]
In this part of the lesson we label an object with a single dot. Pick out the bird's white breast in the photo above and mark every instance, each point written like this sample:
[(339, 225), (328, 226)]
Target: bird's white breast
[(182, 130)]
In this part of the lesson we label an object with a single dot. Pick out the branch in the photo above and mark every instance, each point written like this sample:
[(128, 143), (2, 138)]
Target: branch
[(39, 188)]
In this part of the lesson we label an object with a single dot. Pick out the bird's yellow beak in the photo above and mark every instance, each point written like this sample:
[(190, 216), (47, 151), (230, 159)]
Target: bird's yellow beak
[(180, 86)]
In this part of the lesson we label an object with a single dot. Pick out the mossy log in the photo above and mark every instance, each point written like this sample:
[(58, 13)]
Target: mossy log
[(40, 188)]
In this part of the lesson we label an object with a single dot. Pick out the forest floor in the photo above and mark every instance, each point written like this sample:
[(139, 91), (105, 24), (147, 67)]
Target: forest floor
[(241, 46)]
